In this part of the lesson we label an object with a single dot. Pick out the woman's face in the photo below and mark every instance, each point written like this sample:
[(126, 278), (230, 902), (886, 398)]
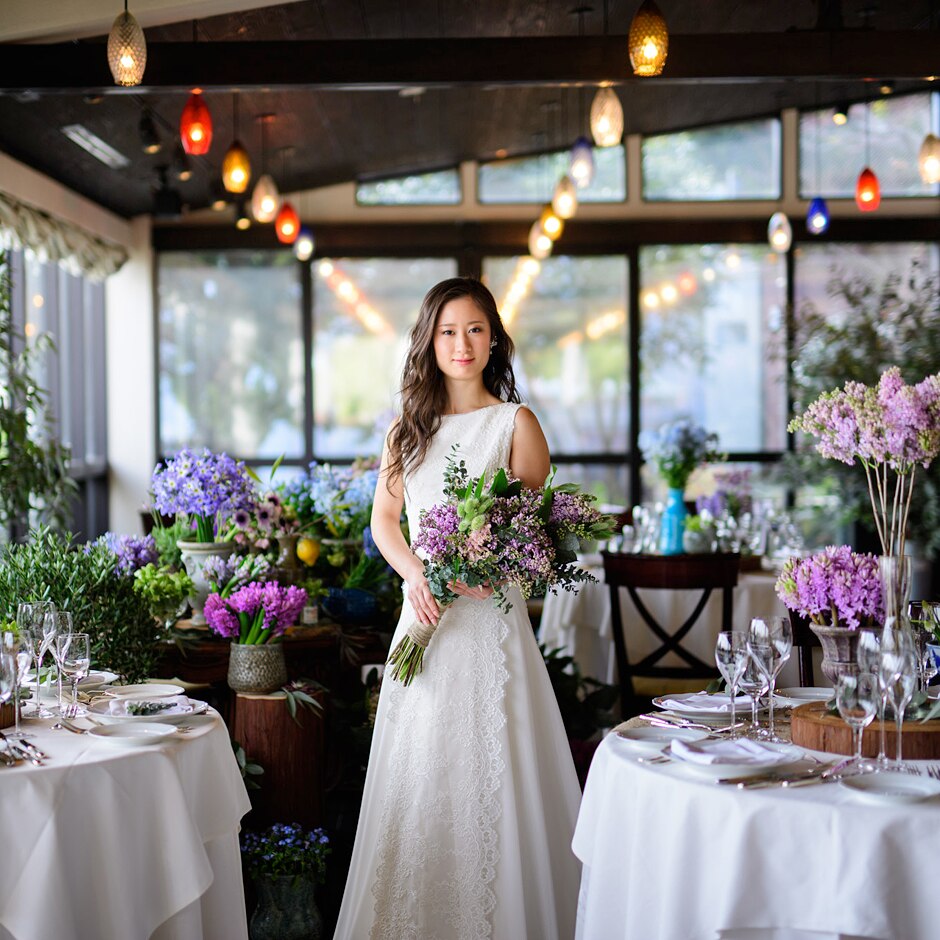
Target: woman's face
[(462, 339)]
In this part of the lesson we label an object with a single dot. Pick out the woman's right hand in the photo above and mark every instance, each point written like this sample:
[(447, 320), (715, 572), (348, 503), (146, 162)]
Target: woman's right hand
[(422, 601)]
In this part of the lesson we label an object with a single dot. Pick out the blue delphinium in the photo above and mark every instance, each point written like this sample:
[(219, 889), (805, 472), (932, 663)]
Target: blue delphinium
[(286, 849), (677, 449)]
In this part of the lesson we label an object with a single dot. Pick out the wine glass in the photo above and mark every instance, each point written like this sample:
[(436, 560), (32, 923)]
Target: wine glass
[(899, 676), (769, 642), (731, 658), (56, 623), (11, 642), (7, 676), (857, 700), (74, 659), (754, 682), (29, 622), (868, 657)]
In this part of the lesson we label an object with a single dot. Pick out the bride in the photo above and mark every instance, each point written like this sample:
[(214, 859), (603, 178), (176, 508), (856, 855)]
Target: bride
[(471, 795)]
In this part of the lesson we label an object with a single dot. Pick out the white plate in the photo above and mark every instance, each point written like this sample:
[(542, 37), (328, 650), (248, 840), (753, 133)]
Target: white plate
[(145, 690), (797, 695), (96, 680), (892, 787), (742, 710), (652, 740), (133, 735), (786, 754), (99, 710)]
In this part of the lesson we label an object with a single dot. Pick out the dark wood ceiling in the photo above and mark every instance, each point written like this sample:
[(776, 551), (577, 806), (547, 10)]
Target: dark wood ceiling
[(326, 133)]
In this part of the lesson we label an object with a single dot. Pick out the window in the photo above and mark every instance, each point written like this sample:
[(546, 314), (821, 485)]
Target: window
[(523, 180), (724, 162), (231, 353), (884, 134), (440, 188)]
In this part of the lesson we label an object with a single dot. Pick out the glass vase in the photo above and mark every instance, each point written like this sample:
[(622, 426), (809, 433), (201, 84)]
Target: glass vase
[(895, 572), (672, 523), (287, 909)]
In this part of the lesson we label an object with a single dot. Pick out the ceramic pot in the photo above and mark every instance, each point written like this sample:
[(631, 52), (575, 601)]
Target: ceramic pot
[(672, 523), (257, 668), (287, 909), (195, 556), (839, 646)]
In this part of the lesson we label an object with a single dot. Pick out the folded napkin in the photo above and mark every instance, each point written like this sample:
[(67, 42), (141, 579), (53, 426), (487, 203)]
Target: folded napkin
[(703, 702), (165, 705), (741, 751)]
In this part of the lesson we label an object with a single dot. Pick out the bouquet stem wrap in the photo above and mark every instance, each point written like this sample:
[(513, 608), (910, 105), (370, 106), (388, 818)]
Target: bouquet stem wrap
[(407, 659)]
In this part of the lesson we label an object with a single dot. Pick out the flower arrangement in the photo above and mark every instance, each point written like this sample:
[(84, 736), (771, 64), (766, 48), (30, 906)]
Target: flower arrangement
[(732, 493), (227, 574), (890, 429), (835, 586), (677, 449), (286, 849), (132, 552), (255, 613), (163, 591), (258, 529), (502, 534), (206, 488)]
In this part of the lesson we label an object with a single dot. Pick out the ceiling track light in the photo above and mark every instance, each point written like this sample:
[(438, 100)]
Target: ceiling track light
[(182, 168), (127, 50), (149, 138), (648, 40)]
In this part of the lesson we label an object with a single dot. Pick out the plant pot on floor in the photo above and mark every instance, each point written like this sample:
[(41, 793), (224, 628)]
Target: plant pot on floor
[(287, 909)]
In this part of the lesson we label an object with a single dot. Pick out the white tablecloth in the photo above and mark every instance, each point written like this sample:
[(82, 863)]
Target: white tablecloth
[(580, 623), (104, 843), (672, 856)]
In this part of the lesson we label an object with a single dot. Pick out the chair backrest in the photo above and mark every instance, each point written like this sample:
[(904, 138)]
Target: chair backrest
[(804, 640), (666, 572)]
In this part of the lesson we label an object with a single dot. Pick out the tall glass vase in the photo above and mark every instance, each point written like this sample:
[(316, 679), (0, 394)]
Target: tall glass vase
[(895, 574), (672, 523)]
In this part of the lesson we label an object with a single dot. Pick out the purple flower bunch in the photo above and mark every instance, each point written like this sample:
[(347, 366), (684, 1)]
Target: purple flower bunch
[(132, 552), (835, 586), (732, 493), (286, 849), (208, 488), (255, 613), (226, 574), (259, 529)]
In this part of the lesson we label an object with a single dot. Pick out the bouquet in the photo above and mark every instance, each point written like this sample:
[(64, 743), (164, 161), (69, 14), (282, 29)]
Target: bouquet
[(255, 613), (502, 534), (286, 849), (207, 488), (890, 429), (836, 586), (677, 449)]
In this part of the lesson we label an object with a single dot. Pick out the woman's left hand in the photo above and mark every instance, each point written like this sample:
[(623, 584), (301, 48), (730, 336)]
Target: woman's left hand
[(480, 593)]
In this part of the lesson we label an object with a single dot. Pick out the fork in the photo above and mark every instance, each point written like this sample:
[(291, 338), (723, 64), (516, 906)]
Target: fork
[(933, 772), (17, 753)]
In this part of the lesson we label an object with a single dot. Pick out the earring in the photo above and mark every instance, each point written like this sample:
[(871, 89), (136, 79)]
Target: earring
[(493, 344)]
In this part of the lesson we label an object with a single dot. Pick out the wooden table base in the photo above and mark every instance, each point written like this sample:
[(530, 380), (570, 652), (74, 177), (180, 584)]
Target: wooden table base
[(812, 726)]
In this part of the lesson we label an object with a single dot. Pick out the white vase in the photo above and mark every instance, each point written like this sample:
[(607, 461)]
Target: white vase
[(195, 555)]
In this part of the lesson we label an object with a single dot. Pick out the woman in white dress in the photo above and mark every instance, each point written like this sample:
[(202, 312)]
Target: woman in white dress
[(471, 795)]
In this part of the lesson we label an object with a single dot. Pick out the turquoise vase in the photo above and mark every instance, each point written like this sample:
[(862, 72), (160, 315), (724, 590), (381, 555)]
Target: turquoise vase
[(287, 909), (672, 525)]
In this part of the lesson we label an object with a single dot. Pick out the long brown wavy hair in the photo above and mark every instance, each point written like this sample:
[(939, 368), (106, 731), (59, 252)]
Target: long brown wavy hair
[(423, 395)]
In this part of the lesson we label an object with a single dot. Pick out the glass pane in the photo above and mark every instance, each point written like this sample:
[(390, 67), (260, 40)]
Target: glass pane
[(523, 180), (441, 188), (568, 320), (231, 353), (831, 156), (712, 343), (727, 161), (608, 482), (363, 310)]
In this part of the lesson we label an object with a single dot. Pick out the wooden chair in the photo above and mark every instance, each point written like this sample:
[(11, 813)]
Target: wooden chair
[(803, 642), (673, 573)]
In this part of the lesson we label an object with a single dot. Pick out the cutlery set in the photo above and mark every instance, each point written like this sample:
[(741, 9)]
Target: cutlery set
[(666, 720), (19, 749)]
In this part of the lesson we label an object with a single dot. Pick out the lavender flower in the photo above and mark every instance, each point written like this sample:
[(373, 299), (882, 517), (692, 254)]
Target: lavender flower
[(132, 552)]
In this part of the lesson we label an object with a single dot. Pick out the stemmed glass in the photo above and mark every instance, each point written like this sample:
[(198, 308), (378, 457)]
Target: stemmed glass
[(868, 657), (857, 700), (731, 658), (754, 682), (17, 646), (769, 642), (30, 619), (898, 675), (56, 623), (74, 659), (7, 676)]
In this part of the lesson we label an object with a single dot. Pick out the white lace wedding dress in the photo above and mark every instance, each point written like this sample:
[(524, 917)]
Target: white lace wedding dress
[(471, 794)]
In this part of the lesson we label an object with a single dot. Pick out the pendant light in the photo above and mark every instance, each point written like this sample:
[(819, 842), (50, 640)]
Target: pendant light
[(648, 40), (817, 215), (287, 224), (196, 125), (928, 160), (867, 189), (127, 50), (565, 198), (149, 138), (242, 216), (540, 245), (182, 168), (840, 114), (236, 165), (265, 200), (606, 118), (550, 223), (780, 233), (581, 167), (304, 245)]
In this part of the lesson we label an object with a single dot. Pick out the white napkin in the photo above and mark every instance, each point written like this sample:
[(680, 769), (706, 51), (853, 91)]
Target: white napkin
[(703, 702), (742, 751), (179, 704)]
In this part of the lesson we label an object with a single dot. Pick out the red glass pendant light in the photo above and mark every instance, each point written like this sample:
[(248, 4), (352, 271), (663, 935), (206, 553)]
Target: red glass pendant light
[(196, 125), (287, 224), (867, 191)]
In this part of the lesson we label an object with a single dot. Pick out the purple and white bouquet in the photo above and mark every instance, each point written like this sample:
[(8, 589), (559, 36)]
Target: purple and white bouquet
[(890, 429), (677, 449), (131, 552), (835, 586), (206, 488), (255, 613), (226, 574), (498, 533)]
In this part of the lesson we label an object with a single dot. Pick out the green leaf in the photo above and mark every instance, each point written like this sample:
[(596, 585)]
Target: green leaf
[(500, 483)]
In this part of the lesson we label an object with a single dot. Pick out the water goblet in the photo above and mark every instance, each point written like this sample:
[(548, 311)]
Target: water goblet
[(868, 657), (928, 669), (11, 642), (857, 700), (74, 660), (899, 676), (56, 623), (770, 642), (731, 658), (29, 622), (754, 682), (7, 676)]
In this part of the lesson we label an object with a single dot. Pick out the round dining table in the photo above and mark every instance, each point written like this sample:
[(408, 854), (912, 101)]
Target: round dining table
[(670, 854), (102, 842)]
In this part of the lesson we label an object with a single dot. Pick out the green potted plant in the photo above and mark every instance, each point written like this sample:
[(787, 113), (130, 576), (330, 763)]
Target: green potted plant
[(286, 864)]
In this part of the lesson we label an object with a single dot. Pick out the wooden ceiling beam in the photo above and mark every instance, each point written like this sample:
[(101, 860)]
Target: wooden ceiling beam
[(848, 55)]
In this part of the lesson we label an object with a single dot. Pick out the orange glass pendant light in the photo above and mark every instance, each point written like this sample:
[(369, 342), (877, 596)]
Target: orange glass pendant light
[(648, 40), (565, 198), (236, 168), (550, 223), (867, 191), (196, 125), (287, 224)]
